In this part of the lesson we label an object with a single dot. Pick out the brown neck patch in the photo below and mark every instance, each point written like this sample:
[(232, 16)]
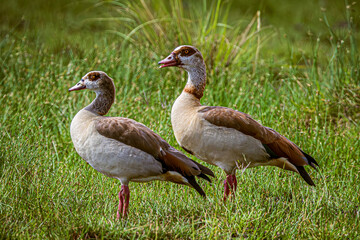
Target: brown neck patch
[(198, 93), (196, 81)]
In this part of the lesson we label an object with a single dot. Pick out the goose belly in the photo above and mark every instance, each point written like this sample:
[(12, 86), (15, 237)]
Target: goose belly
[(116, 159), (224, 147)]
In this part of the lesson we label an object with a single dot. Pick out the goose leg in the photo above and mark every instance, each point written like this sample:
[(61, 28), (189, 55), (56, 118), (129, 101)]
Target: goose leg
[(230, 185), (124, 197)]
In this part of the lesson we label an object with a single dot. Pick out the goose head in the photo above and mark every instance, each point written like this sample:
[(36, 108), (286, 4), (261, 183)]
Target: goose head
[(103, 86), (96, 81), (186, 57)]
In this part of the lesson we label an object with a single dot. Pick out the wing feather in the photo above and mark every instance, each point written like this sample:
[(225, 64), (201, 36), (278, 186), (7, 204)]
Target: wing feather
[(281, 146), (139, 136)]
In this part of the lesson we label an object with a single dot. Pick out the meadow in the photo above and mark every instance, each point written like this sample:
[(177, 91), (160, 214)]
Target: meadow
[(295, 67)]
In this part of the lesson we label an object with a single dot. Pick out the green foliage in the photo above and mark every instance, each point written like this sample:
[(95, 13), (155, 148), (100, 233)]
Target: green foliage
[(162, 25), (306, 86)]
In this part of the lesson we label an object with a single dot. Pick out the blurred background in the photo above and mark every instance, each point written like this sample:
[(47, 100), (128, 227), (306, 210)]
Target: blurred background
[(77, 25)]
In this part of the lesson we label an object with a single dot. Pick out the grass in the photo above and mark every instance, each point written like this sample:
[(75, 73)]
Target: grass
[(306, 86)]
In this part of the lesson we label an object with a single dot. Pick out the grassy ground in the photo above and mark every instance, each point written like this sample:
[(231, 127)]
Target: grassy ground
[(289, 70)]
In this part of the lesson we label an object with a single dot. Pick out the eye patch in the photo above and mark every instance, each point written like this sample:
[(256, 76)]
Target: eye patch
[(187, 51), (94, 76)]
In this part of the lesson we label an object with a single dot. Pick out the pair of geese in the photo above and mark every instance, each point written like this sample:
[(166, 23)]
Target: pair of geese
[(127, 150)]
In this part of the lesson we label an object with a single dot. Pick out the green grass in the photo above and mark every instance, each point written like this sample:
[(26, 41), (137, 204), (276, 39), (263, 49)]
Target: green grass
[(305, 86)]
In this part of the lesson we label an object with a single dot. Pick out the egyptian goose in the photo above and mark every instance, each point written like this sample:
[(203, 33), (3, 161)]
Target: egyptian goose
[(124, 149), (222, 136)]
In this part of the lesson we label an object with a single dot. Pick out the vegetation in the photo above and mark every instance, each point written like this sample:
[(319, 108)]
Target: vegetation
[(291, 71)]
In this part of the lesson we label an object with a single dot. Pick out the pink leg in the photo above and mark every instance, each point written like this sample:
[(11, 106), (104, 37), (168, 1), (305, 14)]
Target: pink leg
[(124, 197), (230, 185), (234, 184)]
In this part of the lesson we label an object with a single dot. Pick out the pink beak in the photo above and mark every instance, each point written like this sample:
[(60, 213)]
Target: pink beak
[(170, 61), (79, 86)]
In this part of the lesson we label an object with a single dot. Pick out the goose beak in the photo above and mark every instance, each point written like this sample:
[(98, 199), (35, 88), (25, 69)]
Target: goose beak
[(79, 86), (170, 61)]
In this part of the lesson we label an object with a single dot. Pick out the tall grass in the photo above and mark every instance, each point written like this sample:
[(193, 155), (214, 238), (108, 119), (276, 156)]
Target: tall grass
[(162, 25), (312, 97)]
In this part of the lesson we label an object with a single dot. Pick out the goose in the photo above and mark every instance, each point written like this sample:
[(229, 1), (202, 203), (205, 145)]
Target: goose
[(224, 137), (124, 149)]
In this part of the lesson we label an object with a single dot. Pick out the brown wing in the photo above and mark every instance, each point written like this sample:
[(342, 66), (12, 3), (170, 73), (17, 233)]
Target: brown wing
[(278, 144), (132, 133), (139, 136)]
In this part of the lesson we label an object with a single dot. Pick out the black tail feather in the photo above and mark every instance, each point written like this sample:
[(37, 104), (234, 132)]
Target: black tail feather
[(310, 159), (305, 175), (204, 170), (201, 175), (194, 184)]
